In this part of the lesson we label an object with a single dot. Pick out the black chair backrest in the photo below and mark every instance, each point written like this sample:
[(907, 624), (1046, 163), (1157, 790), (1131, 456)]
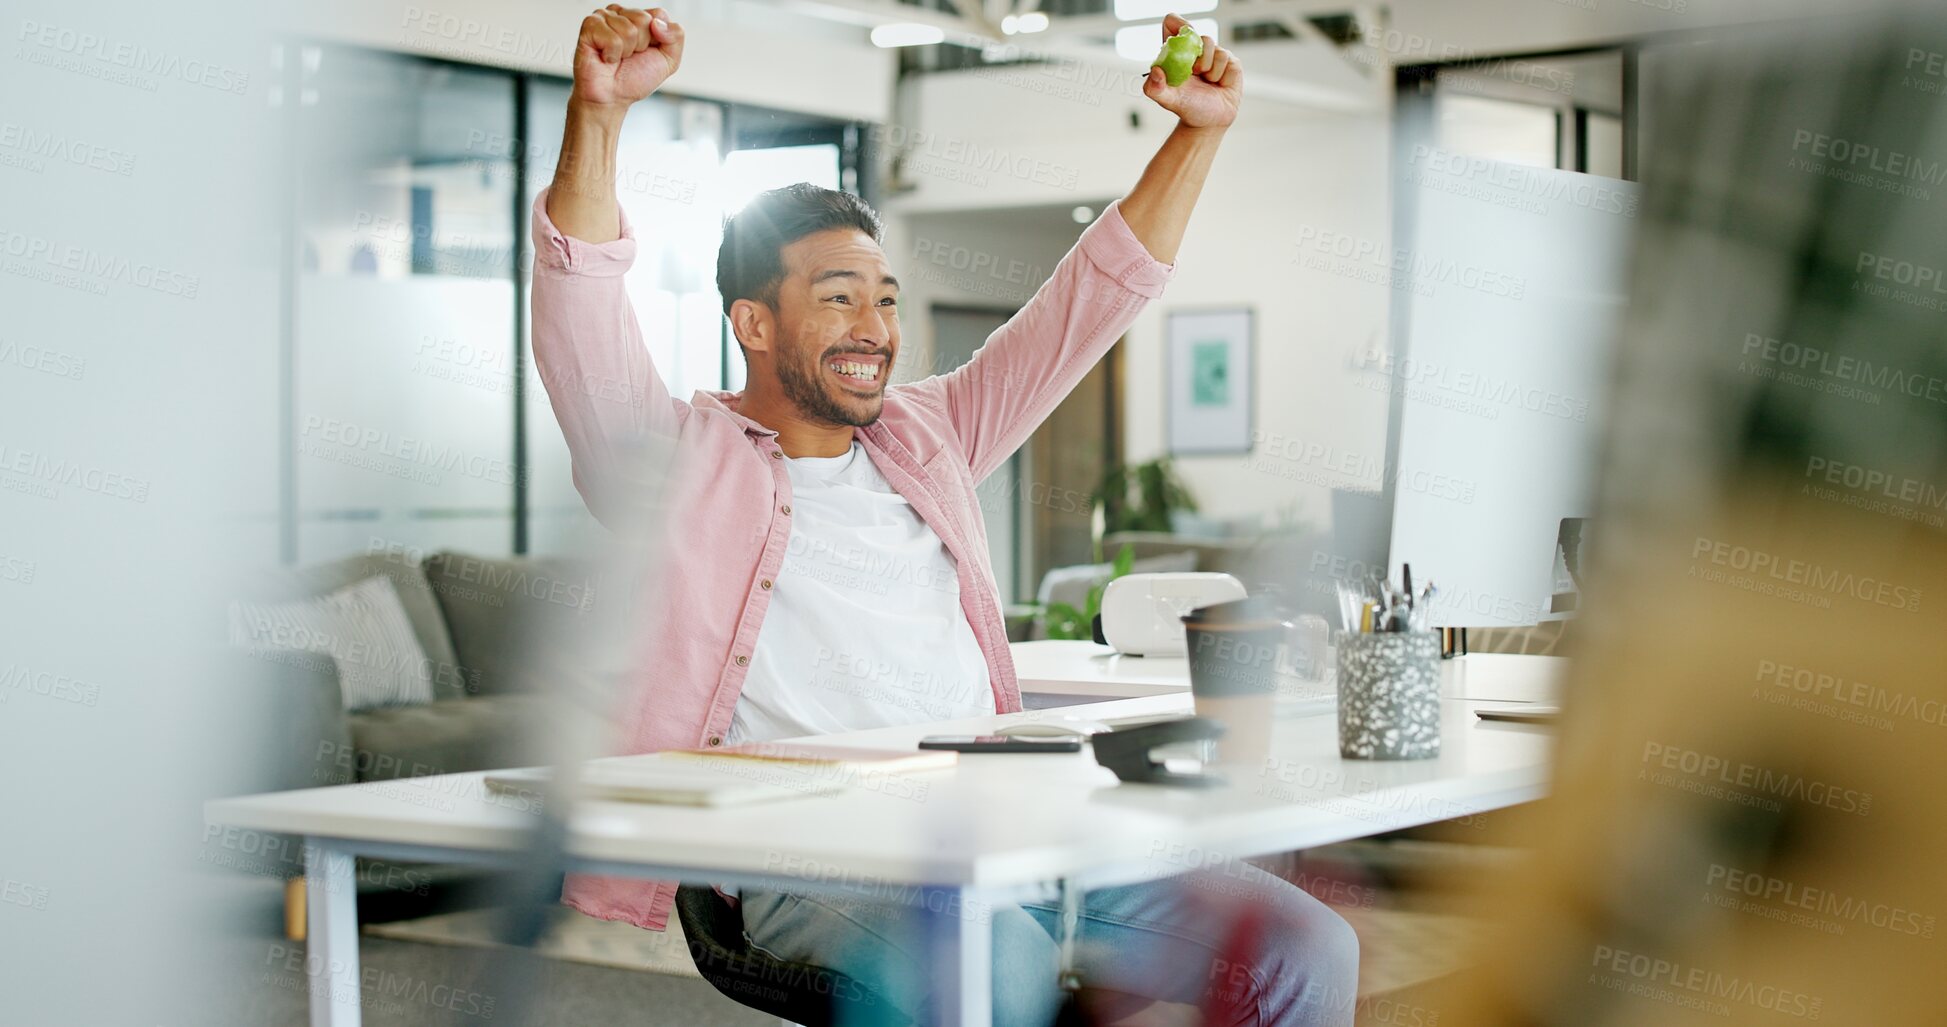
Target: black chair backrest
[(814, 996)]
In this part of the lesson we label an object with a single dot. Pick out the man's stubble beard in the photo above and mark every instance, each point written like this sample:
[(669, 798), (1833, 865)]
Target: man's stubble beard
[(802, 385)]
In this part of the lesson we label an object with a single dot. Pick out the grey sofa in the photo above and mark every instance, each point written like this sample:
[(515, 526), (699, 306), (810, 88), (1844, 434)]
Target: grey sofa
[(473, 616), (469, 614)]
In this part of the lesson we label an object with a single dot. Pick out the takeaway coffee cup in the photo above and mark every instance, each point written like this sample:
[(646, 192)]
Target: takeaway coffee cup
[(1234, 652)]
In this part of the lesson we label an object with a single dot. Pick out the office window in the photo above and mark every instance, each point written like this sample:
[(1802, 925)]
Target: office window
[(1603, 138), (749, 172), (1503, 130), (1563, 111)]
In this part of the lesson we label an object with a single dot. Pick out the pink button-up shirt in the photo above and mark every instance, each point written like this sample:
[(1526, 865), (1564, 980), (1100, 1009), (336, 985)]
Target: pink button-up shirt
[(729, 501)]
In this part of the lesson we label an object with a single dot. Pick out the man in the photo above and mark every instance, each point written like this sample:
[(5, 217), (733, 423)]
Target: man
[(827, 521)]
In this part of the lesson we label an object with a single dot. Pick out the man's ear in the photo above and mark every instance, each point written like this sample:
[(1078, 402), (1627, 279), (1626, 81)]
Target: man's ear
[(754, 325)]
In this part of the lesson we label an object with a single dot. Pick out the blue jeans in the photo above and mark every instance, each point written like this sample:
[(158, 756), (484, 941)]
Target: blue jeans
[(1250, 948)]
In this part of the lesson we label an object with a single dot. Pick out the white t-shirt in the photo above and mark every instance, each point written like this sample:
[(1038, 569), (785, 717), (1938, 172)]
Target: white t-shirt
[(865, 627)]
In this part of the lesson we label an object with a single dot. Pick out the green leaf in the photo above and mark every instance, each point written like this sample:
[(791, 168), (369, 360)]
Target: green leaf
[(1125, 558), (1063, 621)]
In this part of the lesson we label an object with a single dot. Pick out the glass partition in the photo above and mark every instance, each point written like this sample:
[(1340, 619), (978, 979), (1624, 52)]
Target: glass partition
[(416, 418), (403, 315)]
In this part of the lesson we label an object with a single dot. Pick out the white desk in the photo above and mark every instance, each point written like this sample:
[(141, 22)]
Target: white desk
[(996, 828), (1094, 672)]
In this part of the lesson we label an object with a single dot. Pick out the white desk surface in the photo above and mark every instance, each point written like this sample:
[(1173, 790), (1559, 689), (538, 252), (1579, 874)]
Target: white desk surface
[(1086, 669), (996, 821)]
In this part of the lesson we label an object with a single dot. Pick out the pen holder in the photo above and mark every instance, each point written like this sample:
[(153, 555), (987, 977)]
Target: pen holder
[(1389, 695)]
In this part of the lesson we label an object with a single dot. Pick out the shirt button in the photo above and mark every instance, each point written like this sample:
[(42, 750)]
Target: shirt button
[(741, 660), (787, 509), (777, 454), (716, 739), (766, 583)]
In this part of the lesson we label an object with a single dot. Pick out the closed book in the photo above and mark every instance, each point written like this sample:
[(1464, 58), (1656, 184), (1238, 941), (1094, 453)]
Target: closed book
[(828, 758), (656, 778)]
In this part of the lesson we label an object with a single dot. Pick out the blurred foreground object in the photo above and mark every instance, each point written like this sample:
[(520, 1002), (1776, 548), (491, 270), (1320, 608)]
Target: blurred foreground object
[(1744, 826)]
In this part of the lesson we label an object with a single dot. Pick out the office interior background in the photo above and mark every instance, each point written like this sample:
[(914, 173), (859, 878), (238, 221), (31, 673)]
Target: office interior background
[(1508, 283)]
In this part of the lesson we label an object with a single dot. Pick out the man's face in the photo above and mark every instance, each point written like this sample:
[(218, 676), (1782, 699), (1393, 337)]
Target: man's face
[(838, 326)]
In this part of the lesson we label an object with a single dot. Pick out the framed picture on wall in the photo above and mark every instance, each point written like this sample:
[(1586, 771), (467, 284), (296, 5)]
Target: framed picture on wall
[(1209, 406)]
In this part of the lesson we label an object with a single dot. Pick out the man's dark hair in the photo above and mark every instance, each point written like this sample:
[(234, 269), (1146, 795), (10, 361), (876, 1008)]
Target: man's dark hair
[(750, 261)]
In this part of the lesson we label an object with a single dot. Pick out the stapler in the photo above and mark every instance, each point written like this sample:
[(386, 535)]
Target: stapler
[(1130, 752)]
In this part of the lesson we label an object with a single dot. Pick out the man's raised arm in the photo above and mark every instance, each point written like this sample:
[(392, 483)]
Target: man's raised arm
[(588, 345), (1123, 260), (1158, 208), (622, 55)]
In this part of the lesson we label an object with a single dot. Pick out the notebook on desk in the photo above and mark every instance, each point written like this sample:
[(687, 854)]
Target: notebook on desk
[(657, 778), (730, 775), (835, 760)]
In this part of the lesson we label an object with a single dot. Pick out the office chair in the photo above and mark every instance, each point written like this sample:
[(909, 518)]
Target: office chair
[(799, 993)]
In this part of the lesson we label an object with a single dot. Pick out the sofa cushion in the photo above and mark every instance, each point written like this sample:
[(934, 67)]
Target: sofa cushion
[(362, 627), (501, 611), (415, 595), (451, 736)]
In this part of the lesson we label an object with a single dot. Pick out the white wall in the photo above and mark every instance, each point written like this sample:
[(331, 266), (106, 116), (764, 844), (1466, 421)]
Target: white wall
[(968, 258), (1058, 137), (1275, 195)]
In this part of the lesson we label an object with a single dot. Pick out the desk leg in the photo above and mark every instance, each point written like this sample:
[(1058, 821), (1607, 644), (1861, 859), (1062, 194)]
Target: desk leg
[(331, 954), (963, 959)]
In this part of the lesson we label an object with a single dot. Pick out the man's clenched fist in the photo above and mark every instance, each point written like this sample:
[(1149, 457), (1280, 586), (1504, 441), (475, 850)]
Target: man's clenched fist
[(624, 53)]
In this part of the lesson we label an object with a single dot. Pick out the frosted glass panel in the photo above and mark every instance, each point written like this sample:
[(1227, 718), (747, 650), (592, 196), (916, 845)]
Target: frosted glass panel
[(405, 414), (404, 309)]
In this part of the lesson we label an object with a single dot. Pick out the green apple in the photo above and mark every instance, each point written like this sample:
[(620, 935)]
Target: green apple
[(1179, 55)]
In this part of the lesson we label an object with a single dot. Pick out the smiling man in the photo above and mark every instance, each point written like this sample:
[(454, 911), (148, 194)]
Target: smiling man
[(828, 570)]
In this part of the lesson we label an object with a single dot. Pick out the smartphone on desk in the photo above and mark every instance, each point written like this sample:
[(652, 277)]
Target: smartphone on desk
[(999, 743)]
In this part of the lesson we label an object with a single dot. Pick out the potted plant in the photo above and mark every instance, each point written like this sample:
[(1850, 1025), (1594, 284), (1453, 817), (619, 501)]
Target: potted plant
[(1142, 497)]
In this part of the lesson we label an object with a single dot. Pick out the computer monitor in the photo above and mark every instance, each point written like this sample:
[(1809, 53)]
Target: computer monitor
[(1512, 281)]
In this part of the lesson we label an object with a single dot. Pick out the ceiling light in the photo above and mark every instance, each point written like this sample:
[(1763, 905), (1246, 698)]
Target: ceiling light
[(1082, 215), (1140, 42), (1036, 21), (907, 34), (1139, 10)]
